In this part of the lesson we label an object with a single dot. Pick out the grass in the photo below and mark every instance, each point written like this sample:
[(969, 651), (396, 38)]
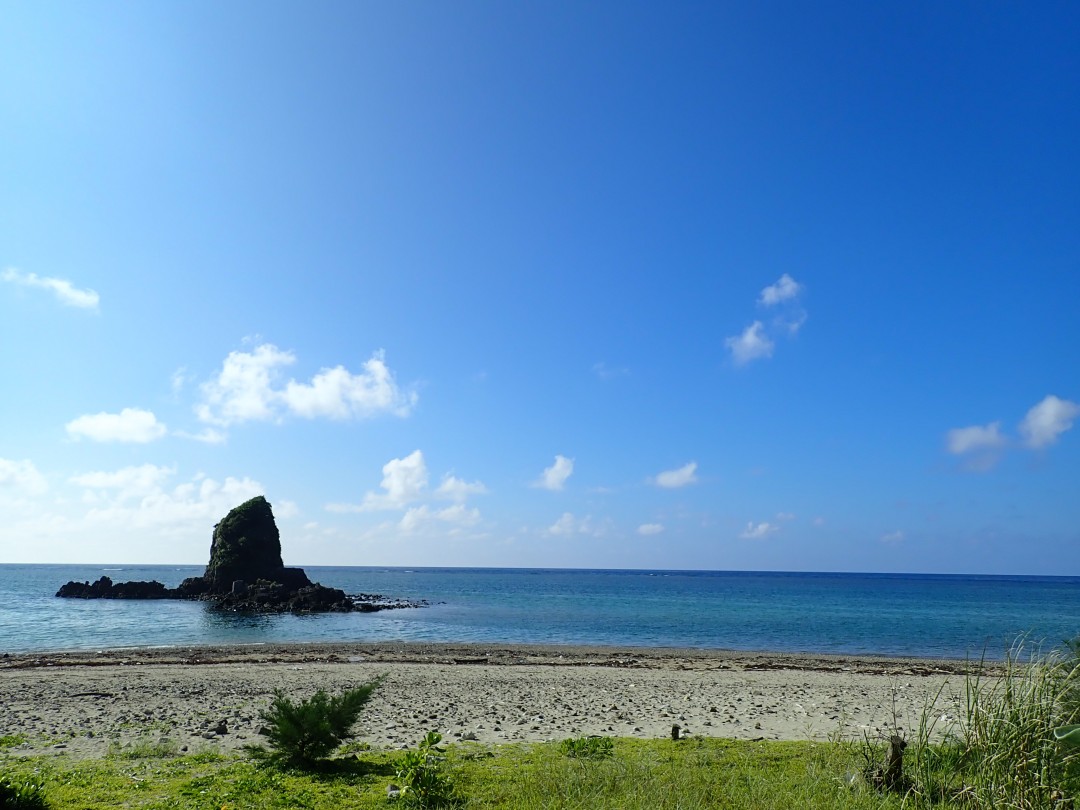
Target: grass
[(11, 740), (695, 773), (1002, 752)]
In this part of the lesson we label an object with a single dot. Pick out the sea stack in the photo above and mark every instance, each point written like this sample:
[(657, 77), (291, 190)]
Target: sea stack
[(245, 573), (246, 548)]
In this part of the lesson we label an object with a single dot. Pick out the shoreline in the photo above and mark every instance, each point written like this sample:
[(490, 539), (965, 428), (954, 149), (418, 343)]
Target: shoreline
[(84, 704), (495, 654)]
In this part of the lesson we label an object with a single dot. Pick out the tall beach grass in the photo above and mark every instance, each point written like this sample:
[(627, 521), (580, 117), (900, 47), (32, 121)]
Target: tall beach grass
[(1000, 750)]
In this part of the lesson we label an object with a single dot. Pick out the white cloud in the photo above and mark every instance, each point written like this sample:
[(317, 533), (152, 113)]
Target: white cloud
[(404, 481), (136, 498), (64, 291), (21, 477), (792, 324), (337, 394), (756, 531), (243, 390), (673, 479), (127, 482), (568, 525), (565, 525), (554, 477), (455, 489), (130, 425), (206, 436), (1046, 421), (647, 529), (893, 537), (783, 290), (344, 508), (784, 516), (752, 344), (247, 389), (286, 509), (819, 521), (419, 517), (179, 379), (977, 437), (135, 514), (198, 503)]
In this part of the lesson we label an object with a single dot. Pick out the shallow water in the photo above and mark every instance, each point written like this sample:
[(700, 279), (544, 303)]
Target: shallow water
[(910, 615)]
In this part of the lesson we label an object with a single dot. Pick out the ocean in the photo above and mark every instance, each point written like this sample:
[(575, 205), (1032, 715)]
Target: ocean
[(934, 616)]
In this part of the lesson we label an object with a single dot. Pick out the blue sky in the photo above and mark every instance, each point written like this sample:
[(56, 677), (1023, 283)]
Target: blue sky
[(722, 286)]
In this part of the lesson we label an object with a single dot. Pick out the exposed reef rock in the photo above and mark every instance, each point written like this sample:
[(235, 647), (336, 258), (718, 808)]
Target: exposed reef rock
[(105, 588), (245, 573)]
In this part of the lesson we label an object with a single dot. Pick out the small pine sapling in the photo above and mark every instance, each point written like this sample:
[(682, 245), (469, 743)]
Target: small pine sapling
[(303, 733)]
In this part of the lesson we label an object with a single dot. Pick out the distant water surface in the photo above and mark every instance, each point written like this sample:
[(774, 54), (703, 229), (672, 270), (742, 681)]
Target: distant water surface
[(910, 615)]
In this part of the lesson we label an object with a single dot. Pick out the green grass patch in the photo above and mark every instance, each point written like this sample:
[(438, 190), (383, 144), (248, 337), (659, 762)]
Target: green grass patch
[(11, 740), (688, 774), (588, 747)]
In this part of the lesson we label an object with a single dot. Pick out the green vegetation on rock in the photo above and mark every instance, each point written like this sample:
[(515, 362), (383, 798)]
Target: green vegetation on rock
[(246, 546)]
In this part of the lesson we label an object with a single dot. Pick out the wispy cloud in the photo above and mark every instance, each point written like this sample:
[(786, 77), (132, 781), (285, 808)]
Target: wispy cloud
[(568, 526), (648, 529), (420, 517), (977, 437), (206, 436), (138, 498), (132, 425), (757, 531), (127, 482), (892, 538), (681, 477), (606, 372), (455, 489), (66, 292), (21, 477), (554, 477)]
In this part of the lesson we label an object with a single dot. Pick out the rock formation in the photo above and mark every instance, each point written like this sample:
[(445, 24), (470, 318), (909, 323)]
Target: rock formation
[(245, 573), (245, 549)]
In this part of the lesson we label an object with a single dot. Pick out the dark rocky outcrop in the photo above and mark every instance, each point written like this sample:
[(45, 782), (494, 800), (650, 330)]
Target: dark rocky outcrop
[(105, 588), (246, 548), (245, 573)]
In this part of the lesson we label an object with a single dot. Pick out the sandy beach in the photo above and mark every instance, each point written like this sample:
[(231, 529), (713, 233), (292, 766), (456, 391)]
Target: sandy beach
[(209, 698)]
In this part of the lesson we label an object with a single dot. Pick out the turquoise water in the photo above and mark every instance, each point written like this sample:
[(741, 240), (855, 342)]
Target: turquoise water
[(919, 615)]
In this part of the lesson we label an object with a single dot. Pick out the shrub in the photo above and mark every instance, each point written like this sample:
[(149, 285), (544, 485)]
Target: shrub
[(423, 783), (303, 733), (23, 795), (588, 747)]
